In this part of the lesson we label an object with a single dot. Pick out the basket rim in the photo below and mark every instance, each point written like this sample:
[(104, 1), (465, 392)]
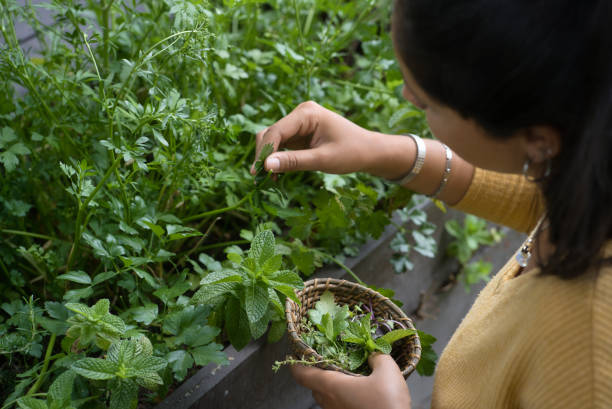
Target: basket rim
[(319, 284)]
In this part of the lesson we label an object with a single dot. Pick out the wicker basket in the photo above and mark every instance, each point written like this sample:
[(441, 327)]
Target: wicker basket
[(406, 352)]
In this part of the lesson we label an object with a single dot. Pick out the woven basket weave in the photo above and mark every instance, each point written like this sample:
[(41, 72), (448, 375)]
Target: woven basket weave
[(406, 352)]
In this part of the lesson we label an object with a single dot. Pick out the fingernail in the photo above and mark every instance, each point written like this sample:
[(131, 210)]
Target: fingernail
[(273, 164)]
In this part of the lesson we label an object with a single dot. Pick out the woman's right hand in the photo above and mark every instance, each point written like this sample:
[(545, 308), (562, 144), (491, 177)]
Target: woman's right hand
[(318, 139)]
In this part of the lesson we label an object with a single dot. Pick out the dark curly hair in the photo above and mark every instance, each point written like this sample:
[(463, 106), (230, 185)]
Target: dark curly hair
[(511, 64)]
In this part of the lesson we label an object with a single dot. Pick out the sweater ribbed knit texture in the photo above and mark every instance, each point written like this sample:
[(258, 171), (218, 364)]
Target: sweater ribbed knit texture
[(529, 341)]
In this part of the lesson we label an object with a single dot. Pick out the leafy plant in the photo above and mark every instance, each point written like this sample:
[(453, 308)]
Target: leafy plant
[(347, 336), (253, 289), (126, 136), (467, 239), (128, 364)]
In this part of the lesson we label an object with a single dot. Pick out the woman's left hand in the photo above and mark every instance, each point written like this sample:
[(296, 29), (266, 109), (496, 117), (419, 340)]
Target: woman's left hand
[(385, 388)]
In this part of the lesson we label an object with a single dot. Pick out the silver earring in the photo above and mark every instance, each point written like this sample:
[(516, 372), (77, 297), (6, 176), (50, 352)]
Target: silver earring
[(546, 171)]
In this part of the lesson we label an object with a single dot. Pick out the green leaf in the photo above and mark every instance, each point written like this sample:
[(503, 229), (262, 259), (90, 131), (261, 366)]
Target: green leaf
[(198, 335), (286, 278), (357, 358), (256, 301), (262, 247), (327, 326), (167, 295), (124, 394), (427, 363), (397, 334), (157, 230), (145, 314), (94, 368), (260, 172), (304, 260), (180, 362), (383, 346), (237, 324), (31, 403), (272, 265), (149, 380), (101, 308), (61, 388), (276, 302), (80, 277), (259, 327), (221, 277), (212, 352), (210, 292), (277, 330)]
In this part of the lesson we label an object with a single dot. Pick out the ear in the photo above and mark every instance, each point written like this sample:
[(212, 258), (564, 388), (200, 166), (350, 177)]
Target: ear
[(541, 142)]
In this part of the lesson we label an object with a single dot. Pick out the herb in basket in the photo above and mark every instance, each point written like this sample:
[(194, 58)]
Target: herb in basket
[(347, 336)]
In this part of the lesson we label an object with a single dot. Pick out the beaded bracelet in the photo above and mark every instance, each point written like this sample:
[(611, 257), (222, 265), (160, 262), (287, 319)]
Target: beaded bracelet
[(418, 163), (446, 174)]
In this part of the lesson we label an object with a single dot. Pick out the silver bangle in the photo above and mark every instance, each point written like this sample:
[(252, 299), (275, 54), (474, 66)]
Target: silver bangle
[(418, 163), (446, 174)]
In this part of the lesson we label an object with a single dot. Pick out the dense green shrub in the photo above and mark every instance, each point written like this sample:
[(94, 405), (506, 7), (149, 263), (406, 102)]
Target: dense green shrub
[(125, 144)]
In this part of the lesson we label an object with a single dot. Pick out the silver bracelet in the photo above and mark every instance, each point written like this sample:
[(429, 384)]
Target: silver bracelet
[(418, 163), (446, 174)]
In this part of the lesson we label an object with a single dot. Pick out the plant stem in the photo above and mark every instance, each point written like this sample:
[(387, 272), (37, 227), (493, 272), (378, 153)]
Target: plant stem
[(224, 244), (218, 211), (348, 270), (43, 371), (8, 405), (34, 235), (83, 208)]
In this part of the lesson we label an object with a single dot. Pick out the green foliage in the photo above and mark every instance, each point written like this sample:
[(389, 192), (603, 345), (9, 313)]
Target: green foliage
[(421, 239), (347, 336), (125, 148), (253, 286), (467, 239)]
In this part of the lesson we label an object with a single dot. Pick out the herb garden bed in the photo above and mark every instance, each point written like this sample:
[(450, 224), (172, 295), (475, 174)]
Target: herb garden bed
[(248, 382)]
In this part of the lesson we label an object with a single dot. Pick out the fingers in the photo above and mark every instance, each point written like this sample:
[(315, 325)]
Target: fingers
[(307, 159), (311, 377), (292, 131), (383, 363)]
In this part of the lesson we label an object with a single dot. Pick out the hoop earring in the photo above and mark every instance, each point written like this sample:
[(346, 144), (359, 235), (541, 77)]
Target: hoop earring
[(541, 178)]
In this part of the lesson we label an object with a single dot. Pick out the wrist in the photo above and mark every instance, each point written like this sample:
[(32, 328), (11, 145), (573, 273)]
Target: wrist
[(391, 156)]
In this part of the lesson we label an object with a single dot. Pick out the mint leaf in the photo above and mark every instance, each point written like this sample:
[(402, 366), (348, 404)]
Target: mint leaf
[(286, 278), (397, 334), (209, 293), (30, 403), (256, 301), (277, 329), (124, 394), (61, 388), (237, 324), (94, 368), (383, 346), (259, 327), (262, 247)]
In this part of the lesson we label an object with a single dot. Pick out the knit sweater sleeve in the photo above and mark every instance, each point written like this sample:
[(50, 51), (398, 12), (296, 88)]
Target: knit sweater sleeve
[(502, 198)]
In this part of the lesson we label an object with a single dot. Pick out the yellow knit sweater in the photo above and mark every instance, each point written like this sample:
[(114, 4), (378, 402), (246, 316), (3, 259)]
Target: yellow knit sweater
[(529, 341)]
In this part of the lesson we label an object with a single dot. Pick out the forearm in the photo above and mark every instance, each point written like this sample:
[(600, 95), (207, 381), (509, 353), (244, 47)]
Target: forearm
[(392, 156)]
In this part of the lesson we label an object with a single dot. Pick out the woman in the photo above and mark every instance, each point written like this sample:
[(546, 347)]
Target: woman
[(519, 97)]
